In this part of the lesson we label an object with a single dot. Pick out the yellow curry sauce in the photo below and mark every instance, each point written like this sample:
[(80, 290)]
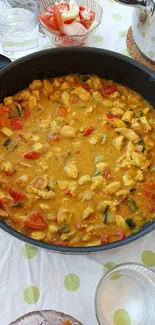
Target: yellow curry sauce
[(77, 161)]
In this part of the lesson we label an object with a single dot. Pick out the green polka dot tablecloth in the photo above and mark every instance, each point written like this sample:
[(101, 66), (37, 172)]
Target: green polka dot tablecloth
[(34, 280)]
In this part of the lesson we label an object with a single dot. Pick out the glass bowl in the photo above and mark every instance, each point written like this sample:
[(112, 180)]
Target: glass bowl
[(126, 296), (74, 40)]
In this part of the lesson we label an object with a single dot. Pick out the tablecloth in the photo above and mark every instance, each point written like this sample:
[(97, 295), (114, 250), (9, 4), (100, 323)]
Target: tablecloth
[(32, 279)]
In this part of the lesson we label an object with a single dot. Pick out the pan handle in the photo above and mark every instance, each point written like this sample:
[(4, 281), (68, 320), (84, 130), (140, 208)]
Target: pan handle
[(4, 61)]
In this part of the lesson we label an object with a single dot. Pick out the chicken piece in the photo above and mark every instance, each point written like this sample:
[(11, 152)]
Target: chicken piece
[(35, 85), (94, 243), (57, 83), (136, 125), (140, 160), (70, 186), (52, 229), (38, 147), (118, 142), (98, 182), (47, 87), (88, 212), (107, 203), (87, 195), (65, 85), (139, 176), (41, 182), (130, 149), (38, 235), (96, 137), (86, 179), (66, 98), (67, 236), (148, 142), (145, 123), (129, 134), (120, 222), (146, 110), (116, 123), (113, 187), (123, 193), (6, 166), (102, 167), (119, 103), (8, 101), (70, 79), (127, 117), (97, 97), (86, 238), (124, 162), (44, 194), (3, 214), (44, 207), (96, 82), (116, 110), (71, 169), (44, 123), (68, 131), (22, 95), (128, 181), (63, 215), (7, 132), (55, 128), (36, 94), (107, 103), (43, 165), (82, 94), (32, 102), (116, 94)]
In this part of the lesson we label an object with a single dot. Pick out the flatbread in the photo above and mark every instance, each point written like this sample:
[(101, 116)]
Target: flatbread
[(45, 317)]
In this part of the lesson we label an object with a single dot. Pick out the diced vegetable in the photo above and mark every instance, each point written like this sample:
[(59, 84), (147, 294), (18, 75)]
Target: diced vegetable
[(88, 131), (63, 229), (27, 114), (113, 115), (57, 103), (120, 235), (97, 172), (105, 216), (7, 142), (62, 111), (104, 138), (31, 155), (138, 112), (17, 205), (54, 138), (132, 206), (153, 169), (17, 195), (104, 239), (132, 189), (16, 123), (18, 111), (131, 223), (99, 157), (35, 221), (109, 90)]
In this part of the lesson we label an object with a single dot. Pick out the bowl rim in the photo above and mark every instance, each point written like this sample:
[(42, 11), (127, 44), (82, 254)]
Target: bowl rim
[(149, 227)]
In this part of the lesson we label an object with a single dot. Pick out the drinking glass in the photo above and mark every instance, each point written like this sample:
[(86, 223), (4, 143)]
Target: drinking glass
[(126, 296), (19, 34)]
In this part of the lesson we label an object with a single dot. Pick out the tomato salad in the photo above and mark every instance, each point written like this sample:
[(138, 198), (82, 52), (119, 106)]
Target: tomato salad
[(68, 19)]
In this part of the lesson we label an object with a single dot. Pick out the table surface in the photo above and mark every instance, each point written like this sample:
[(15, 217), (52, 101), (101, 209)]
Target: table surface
[(33, 279)]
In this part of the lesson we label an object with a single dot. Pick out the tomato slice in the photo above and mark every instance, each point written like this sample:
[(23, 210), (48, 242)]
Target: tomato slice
[(49, 21), (88, 131), (57, 17), (87, 22), (50, 9), (82, 8), (109, 90), (17, 196), (26, 115), (62, 111), (31, 155), (113, 115), (16, 123), (35, 221), (54, 138)]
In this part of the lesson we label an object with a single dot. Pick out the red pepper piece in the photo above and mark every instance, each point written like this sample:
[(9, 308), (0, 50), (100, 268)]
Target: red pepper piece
[(120, 235), (31, 155), (110, 89), (109, 115), (104, 239), (88, 131), (17, 196), (35, 221), (16, 123)]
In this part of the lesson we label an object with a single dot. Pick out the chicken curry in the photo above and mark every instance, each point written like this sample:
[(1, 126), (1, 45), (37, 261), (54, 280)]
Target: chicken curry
[(77, 161)]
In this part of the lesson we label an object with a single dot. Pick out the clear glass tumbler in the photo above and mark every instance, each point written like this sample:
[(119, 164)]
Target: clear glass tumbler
[(19, 34), (126, 296)]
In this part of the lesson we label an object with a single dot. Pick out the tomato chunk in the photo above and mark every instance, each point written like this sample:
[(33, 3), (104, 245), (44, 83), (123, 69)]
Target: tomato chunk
[(16, 123), (27, 114), (113, 115), (54, 138), (17, 196), (31, 155), (50, 9), (104, 239), (66, 322), (35, 221), (120, 235), (62, 111), (88, 131), (68, 22), (63, 7), (57, 16), (109, 90)]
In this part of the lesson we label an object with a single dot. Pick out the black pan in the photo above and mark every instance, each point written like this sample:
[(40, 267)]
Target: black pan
[(60, 62)]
